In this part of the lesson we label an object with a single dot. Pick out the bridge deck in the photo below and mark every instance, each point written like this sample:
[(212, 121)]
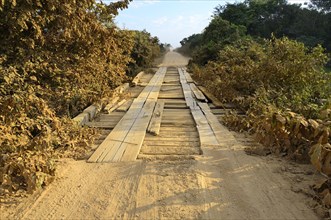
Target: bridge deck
[(167, 115)]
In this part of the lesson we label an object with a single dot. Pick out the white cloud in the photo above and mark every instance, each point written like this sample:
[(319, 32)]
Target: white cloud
[(140, 3), (161, 21)]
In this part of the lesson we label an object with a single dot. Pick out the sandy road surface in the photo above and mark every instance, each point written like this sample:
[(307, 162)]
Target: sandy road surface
[(224, 183)]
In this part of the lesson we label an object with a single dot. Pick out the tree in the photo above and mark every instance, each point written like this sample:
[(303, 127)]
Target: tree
[(146, 48), (323, 5), (215, 37)]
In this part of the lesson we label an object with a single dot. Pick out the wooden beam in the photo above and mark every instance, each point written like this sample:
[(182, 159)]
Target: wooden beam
[(211, 97), (111, 103), (197, 93), (125, 106), (137, 78), (139, 129), (223, 135), (187, 76), (121, 136), (155, 123), (116, 106), (207, 137)]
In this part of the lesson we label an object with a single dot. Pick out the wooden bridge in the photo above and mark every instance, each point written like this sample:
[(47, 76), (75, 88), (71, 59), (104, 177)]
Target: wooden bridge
[(166, 115)]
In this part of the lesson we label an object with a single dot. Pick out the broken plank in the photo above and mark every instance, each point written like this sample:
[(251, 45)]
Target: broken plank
[(111, 103), (137, 78), (155, 123), (197, 93), (210, 96)]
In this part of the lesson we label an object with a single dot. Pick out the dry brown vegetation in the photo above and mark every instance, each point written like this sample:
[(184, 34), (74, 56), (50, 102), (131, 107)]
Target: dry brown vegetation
[(56, 58)]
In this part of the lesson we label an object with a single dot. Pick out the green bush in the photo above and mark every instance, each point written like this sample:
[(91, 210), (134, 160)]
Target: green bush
[(145, 49), (284, 90)]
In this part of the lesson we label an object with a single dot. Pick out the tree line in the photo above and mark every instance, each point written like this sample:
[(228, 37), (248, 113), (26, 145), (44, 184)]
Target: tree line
[(309, 24), (270, 58)]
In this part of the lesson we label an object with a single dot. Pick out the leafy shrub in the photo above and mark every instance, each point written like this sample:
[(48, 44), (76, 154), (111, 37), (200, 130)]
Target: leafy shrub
[(283, 88), (146, 48), (293, 76), (56, 58)]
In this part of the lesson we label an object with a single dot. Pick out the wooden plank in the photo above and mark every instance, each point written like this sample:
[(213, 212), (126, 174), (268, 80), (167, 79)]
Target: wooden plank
[(177, 111), (116, 106), (181, 118), (176, 107), (167, 96), (211, 97), (122, 129), (137, 78), (177, 117), (132, 143), (120, 89), (187, 76), (173, 101), (164, 150), (111, 103), (173, 138), (206, 134), (125, 106), (139, 129), (171, 88), (112, 114), (175, 121), (149, 157), (175, 130), (155, 123), (172, 143), (197, 93), (186, 90), (82, 118), (108, 149), (109, 125), (106, 118), (117, 136), (223, 135), (172, 84), (172, 93), (92, 111)]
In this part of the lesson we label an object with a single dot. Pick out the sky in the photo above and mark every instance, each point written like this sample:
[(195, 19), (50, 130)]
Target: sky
[(170, 20)]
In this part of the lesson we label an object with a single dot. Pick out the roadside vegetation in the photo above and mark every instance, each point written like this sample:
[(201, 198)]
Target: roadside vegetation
[(56, 58), (272, 60)]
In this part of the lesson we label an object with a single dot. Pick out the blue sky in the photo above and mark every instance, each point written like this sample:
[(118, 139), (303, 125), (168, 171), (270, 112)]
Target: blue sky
[(170, 20)]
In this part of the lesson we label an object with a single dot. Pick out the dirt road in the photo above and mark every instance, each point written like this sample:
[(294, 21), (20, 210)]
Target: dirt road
[(223, 183)]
